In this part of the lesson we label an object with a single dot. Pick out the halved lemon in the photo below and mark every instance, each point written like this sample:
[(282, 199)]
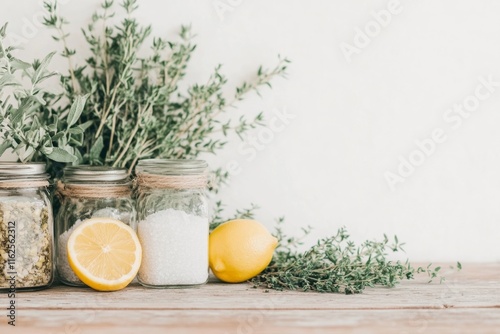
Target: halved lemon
[(104, 253)]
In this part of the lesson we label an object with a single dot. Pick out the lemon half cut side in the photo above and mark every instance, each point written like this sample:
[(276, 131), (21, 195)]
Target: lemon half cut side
[(104, 253)]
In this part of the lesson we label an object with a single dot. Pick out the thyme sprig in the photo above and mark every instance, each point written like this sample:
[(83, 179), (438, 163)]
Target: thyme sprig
[(218, 216), (337, 264), (135, 106)]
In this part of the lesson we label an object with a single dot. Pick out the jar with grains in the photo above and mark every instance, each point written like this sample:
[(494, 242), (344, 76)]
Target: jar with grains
[(26, 228), (89, 192), (173, 225)]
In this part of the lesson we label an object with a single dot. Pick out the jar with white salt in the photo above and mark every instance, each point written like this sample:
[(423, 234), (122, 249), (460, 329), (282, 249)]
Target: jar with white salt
[(89, 192), (173, 226)]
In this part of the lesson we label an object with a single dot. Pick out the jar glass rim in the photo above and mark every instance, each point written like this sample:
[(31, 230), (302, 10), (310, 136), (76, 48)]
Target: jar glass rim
[(22, 172), (172, 166), (10, 169), (90, 174)]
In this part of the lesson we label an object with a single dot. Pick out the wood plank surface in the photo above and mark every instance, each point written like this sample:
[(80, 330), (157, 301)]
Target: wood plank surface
[(475, 321), (468, 302)]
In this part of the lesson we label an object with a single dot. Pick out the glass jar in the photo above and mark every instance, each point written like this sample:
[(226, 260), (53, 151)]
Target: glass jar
[(26, 228), (89, 192), (173, 225)]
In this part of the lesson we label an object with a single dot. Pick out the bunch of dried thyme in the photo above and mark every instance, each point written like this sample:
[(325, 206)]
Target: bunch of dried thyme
[(337, 264)]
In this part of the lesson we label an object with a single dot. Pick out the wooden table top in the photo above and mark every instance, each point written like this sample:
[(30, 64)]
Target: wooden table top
[(468, 302)]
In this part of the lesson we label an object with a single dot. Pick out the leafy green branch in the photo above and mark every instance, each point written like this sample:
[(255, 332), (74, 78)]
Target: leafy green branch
[(28, 123)]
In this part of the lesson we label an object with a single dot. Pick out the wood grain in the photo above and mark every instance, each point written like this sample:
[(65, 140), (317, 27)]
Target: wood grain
[(469, 302)]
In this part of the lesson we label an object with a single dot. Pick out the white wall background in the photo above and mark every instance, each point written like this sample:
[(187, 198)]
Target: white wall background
[(352, 120)]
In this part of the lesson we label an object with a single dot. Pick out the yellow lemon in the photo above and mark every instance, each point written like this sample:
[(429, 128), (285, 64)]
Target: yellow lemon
[(240, 249), (104, 253)]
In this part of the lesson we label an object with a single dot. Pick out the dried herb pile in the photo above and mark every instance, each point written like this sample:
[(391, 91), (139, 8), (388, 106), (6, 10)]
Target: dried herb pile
[(336, 264)]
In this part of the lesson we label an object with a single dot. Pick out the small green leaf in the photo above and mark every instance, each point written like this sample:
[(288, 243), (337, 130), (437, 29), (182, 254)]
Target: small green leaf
[(61, 155), (79, 157), (3, 30), (27, 154), (41, 68), (18, 64), (76, 140), (76, 130), (38, 98), (58, 136), (52, 127), (86, 125), (8, 79), (96, 150), (47, 150), (76, 109), (4, 146)]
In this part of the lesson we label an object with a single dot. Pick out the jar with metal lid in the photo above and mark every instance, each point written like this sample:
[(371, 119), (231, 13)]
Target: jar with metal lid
[(89, 192), (173, 224), (26, 228)]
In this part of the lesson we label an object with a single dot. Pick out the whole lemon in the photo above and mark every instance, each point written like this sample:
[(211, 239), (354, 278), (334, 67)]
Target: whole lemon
[(240, 249)]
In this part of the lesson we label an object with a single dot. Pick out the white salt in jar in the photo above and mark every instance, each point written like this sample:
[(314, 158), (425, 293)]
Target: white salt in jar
[(173, 225)]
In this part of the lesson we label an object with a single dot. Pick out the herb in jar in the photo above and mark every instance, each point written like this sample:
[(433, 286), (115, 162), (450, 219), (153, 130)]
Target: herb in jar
[(26, 227), (32, 241)]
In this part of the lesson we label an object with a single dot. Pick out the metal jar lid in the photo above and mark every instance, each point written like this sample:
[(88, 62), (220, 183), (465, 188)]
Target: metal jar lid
[(171, 166), (28, 171), (87, 173)]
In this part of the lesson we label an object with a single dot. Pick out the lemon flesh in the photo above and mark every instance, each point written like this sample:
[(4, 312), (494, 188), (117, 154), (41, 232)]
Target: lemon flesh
[(104, 253)]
